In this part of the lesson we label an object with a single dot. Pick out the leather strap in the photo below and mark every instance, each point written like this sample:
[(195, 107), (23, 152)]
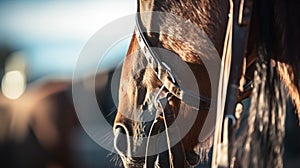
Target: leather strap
[(165, 74)]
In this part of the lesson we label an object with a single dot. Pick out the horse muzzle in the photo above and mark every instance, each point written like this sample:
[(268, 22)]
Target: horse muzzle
[(121, 142), (123, 145)]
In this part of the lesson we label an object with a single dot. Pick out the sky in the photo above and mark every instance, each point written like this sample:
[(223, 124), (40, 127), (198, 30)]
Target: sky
[(51, 34)]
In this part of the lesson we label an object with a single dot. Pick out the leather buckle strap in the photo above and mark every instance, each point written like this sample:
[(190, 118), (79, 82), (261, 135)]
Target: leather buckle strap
[(234, 50)]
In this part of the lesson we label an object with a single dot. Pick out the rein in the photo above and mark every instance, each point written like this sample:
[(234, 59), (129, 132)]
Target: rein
[(235, 47)]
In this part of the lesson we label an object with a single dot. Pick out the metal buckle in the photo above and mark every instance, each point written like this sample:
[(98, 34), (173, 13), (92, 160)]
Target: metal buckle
[(223, 146)]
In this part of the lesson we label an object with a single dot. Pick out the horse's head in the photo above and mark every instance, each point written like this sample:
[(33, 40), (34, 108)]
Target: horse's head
[(146, 108), (153, 124), (149, 106)]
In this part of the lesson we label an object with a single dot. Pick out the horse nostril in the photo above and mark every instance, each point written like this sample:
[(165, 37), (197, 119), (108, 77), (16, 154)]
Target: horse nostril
[(192, 158), (120, 141)]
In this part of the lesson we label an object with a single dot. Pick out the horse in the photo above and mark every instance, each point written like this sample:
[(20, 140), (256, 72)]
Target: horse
[(271, 65)]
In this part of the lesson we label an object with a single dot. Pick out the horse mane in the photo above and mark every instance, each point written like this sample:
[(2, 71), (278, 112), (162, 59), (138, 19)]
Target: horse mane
[(262, 129), (287, 19)]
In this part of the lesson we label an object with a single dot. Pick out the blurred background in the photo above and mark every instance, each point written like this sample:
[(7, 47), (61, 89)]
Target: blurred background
[(40, 42)]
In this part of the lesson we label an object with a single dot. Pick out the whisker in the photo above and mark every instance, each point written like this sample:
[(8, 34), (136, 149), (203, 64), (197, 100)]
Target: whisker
[(115, 158), (113, 111)]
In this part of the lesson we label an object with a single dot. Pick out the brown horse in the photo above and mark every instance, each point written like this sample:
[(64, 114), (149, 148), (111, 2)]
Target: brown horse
[(140, 83)]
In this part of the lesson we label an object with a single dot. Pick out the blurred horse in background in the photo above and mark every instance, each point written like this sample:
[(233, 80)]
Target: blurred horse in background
[(41, 128)]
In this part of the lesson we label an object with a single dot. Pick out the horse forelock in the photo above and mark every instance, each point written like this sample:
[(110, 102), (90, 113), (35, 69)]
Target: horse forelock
[(263, 129)]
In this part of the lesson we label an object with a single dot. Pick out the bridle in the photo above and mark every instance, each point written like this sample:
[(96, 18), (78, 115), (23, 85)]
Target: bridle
[(165, 74), (234, 49)]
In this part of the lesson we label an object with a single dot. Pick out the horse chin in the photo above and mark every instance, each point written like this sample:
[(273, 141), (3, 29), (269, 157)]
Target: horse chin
[(192, 158), (129, 162)]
